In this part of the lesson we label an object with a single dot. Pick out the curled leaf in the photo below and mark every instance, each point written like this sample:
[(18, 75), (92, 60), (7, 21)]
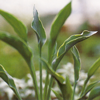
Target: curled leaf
[(57, 94), (76, 63), (8, 79), (18, 26), (38, 28), (57, 76), (66, 89), (72, 40)]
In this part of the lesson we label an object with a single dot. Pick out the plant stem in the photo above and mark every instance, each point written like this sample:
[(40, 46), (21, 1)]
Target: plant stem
[(49, 89), (74, 90), (85, 83), (46, 86), (33, 74), (40, 66)]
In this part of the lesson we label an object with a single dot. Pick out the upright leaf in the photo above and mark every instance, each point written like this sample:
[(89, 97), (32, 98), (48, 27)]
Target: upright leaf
[(91, 72), (94, 68), (18, 26), (38, 28), (56, 26), (94, 93), (88, 89), (76, 63), (57, 94), (66, 89), (8, 79), (76, 66)]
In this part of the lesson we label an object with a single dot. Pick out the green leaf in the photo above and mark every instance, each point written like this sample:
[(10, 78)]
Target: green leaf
[(57, 94), (88, 89), (57, 76), (59, 21), (91, 72), (94, 93), (25, 51), (76, 62), (8, 79), (56, 26), (18, 44), (66, 89), (18, 26), (94, 68), (38, 28), (71, 41)]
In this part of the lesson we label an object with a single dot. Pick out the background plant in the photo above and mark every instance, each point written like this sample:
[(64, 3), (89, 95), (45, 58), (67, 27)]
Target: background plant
[(54, 56)]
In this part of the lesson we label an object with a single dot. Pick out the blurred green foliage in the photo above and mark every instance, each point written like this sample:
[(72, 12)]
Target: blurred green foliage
[(89, 49)]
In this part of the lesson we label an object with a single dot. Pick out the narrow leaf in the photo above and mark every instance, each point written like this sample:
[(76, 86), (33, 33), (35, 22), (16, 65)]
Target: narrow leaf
[(94, 93), (57, 76), (56, 26), (91, 72), (66, 89), (94, 68), (60, 20), (38, 28), (76, 63), (71, 41), (18, 44), (18, 26), (57, 94), (25, 51), (89, 88), (8, 79)]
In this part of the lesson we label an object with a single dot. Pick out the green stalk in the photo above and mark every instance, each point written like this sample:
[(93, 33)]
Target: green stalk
[(74, 90), (46, 86), (49, 89), (85, 83), (33, 74), (40, 66)]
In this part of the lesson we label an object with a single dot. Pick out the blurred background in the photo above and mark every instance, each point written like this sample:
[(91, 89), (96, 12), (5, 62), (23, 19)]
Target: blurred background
[(85, 16)]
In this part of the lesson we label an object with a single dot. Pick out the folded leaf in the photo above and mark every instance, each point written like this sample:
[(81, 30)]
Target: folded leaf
[(8, 79), (94, 93), (71, 41), (38, 28), (18, 26), (56, 26), (76, 63), (66, 89), (18, 44), (57, 76), (57, 94)]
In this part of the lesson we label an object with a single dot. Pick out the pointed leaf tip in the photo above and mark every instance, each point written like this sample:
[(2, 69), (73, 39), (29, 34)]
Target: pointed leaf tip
[(88, 33), (17, 25), (38, 28)]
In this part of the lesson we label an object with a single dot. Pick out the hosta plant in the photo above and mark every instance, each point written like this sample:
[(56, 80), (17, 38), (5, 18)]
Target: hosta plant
[(21, 45)]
